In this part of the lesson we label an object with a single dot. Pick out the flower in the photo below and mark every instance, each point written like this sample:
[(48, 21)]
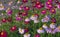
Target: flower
[(45, 26), (43, 12), (53, 25), (27, 20), (48, 30), (37, 35), (26, 8), (9, 12), (21, 31), (33, 17), (1, 7), (13, 28), (57, 29), (52, 11), (53, 20), (26, 35), (18, 18), (24, 1), (10, 3), (36, 21), (46, 19), (21, 7), (4, 20), (40, 30), (26, 30), (18, 1), (3, 34), (24, 14)]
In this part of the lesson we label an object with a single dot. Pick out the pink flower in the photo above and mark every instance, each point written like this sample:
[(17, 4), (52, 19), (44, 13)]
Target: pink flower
[(18, 18), (26, 8), (24, 14), (3, 34), (52, 11), (37, 35), (24, 1), (9, 12), (12, 29), (43, 12), (4, 20)]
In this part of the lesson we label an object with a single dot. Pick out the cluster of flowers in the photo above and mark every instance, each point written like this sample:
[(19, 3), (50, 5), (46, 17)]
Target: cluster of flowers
[(35, 17)]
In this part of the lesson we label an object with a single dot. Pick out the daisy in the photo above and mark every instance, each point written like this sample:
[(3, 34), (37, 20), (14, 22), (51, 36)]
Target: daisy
[(52, 25), (45, 26), (40, 30), (21, 31), (26, 35)]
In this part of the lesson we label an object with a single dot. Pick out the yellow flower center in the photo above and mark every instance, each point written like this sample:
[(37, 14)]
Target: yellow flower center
[(40, 28)]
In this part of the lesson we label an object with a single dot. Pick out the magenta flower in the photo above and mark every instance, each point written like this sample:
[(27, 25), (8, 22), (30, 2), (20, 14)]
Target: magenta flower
[(39, 6), (43, 12), (24, 14), (53, 20), (52, 11), (4, 20), (12, 29), (26, 8), (58, 6), (37, 35), (9, 12), (3, 34), (24, 1), (18, 18), (26, 30)]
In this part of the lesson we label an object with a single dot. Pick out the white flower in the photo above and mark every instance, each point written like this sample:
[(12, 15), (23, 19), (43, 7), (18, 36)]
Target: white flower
[(21, 31), (52, 25), (26, 35), (33, 17), (27, 19), (44, 26), (36, 21), (40, 30)]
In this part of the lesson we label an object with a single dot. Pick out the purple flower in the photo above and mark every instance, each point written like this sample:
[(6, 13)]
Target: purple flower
[(52, 11), (18, 18), (9, 12)]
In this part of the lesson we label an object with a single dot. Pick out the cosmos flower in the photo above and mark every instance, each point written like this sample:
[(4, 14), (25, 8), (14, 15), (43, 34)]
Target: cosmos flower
[(9, 12), (12, 29), (58, 6), (43, 12), (45, 26), (33, 17), (53, 25), (21, 7), (24, 14), (18, 1), (37, 35), (27, 20), (26, 30), (26, 8), (46, 19), (36, 21), (57, 29), (40, 30), (21, 31), (4, 34), (48, 30), (4, 20), (53, 20), (52, 11), (18, 18), (10, 3), (24, 1), (27, 35)]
